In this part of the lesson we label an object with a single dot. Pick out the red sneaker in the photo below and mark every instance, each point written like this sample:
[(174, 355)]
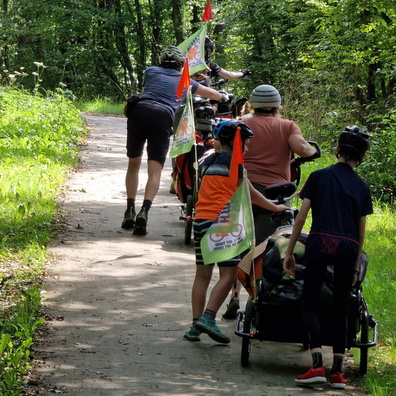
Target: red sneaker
[(312, 376), (337, 380)]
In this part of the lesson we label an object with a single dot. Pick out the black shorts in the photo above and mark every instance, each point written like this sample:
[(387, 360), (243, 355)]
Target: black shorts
[(151, 122)]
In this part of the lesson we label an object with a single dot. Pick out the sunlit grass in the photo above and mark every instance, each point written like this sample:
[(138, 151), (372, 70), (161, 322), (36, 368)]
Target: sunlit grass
[(101, 106), (379, 290)]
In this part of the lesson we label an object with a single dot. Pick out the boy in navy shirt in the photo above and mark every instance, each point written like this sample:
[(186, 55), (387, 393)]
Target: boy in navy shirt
[(340, 201)]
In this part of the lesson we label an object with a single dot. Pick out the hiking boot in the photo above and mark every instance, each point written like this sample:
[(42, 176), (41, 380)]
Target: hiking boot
[(209, 327), (337, 380), (172, 188), (129, 219), (312, 376), (232, 309), (192, 334), (140, 223)]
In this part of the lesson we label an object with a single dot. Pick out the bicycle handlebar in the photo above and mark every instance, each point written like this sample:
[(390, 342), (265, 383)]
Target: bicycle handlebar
[(301, 160), (219, 83), (282, 200)]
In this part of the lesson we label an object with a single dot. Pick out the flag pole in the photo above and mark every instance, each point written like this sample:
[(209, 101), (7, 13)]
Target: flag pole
[(195, 148)]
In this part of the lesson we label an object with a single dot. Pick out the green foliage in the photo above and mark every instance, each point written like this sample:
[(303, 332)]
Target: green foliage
[(379, 169), (17, 332), (39, 138)]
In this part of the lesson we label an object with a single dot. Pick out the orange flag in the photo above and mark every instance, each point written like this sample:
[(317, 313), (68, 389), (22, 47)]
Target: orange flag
[(208, 13), (237, 157), (184, 81)]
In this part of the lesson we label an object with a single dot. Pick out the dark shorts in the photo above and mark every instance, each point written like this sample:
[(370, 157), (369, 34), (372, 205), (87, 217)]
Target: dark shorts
[(151, 122), (263, 226), (200, 227)]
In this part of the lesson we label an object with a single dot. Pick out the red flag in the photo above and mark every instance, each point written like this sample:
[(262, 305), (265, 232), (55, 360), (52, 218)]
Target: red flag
[(237, 157), (184, 81), (208, 13)]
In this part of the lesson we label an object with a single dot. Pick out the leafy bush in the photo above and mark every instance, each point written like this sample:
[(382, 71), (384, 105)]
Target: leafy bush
[(379, 168), (39, 139)]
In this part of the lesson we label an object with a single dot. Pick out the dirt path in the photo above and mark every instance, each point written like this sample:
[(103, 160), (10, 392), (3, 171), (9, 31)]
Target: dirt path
[(120, 303)]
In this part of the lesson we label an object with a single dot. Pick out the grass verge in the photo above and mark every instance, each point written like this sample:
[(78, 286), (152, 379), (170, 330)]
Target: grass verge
[(39, 140)]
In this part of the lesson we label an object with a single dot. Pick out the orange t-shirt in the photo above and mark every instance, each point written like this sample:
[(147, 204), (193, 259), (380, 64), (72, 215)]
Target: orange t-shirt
[(216, 187), (267, 159)]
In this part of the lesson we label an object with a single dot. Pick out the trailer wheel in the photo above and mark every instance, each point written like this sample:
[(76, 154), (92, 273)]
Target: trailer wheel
[(364, 339), (246, 341)]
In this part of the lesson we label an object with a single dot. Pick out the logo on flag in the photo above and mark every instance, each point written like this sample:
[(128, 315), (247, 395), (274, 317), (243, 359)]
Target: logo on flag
[(184, 136), (232, 232), (194, 48)]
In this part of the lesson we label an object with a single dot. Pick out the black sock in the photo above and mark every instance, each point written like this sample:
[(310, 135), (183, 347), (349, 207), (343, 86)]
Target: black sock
[(147, 204), (131, 203), (338, 364), (209, 314), (317, 360)]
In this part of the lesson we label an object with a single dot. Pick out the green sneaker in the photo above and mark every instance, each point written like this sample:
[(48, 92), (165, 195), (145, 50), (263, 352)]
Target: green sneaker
[(209, 327), (192, 334), (232, 309), (129, 219)]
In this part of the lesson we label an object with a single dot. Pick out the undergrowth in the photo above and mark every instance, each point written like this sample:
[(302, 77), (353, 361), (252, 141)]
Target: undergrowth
[(39, 140)]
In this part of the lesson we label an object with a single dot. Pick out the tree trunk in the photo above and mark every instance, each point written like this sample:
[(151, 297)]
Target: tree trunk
[(177, 18), (121, 44)]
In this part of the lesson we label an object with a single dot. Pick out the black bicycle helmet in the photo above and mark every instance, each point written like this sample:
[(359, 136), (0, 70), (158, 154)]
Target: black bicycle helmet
[(225, 131), (354, 138), (209, 47)]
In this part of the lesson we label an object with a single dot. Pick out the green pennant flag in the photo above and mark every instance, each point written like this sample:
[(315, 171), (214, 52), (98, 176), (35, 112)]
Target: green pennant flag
[(183, 138), (194, 48), (233, 231)]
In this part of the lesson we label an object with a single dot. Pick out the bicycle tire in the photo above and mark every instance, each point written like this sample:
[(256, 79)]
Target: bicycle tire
[(247, 325), (189, 219)]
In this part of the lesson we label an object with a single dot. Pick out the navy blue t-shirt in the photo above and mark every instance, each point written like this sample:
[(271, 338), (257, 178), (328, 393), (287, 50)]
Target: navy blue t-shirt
[(160, 85), (339, 198)]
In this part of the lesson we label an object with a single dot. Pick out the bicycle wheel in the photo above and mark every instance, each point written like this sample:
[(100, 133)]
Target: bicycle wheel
[(189, 219), (246, 341), (364, 339)]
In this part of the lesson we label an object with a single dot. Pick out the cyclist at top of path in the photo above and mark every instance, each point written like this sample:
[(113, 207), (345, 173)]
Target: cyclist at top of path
[(214, 194), (340, 201), (150, 120), (204, 77)]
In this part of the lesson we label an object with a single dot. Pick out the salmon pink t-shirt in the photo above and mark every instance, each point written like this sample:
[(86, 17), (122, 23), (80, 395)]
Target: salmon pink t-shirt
[(267, 159)]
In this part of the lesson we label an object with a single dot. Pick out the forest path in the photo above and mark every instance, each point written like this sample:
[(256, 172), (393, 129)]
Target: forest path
[(120, 303)]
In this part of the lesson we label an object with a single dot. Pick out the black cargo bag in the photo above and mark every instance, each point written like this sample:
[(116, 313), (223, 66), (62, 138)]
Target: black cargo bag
[(130, 103)]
